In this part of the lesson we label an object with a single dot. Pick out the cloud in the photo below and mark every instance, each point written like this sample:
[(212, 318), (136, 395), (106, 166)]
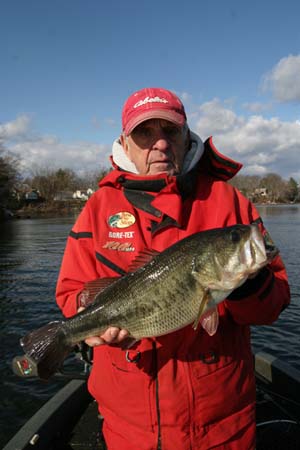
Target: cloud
[(284, 79), (262, 145), (257, 107), (36, 150), (15, 129)]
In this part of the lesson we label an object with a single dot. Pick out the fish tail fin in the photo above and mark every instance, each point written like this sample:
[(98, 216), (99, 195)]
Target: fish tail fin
[(45, 350)]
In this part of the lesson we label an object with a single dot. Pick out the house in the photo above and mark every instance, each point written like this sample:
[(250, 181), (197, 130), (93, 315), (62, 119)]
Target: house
[(32, 196), (63, 196), (263, 192), (83, 195)]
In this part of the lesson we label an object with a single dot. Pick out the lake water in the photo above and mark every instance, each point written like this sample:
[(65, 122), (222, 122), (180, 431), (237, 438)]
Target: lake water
[(30, 257)]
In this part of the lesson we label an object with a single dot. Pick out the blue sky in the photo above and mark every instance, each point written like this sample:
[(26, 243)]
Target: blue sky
[(67, 67)]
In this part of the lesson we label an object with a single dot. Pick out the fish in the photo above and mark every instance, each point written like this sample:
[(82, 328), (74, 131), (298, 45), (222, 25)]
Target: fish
[(180, 286)]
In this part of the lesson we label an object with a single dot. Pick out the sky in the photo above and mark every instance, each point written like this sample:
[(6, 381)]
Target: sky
[(67, 67)]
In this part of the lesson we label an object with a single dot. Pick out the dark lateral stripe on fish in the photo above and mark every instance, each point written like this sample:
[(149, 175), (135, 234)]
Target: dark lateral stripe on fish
[(110, 264), (81, 235), (251, 286)]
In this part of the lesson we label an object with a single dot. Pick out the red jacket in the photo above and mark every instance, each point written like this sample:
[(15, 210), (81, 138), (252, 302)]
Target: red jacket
[(186, 390)]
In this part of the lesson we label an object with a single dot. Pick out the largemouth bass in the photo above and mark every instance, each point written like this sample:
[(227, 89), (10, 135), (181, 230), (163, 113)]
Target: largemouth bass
[(180, 286)]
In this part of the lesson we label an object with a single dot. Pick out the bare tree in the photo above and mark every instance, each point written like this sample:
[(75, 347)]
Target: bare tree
[(275, 185), (91, 179), (49, 182), (9, 174)]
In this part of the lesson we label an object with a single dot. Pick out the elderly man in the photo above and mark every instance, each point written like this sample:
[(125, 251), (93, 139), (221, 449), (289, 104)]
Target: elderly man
[(185, 390)]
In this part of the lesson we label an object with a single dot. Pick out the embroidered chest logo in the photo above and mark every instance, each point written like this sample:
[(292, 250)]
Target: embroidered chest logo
[(119, 246), (121, 219)]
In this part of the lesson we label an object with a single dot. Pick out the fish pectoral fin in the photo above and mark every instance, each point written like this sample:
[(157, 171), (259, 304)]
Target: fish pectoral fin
[(210, 321), (203, 306)]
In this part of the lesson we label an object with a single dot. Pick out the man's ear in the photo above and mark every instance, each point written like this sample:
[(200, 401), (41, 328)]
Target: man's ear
[(124, 143)]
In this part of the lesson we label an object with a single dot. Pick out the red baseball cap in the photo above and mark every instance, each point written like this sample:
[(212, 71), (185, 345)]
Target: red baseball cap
[(152, 103)]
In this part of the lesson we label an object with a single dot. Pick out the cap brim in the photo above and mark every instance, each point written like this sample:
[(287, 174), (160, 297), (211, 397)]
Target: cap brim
[(171, 116)]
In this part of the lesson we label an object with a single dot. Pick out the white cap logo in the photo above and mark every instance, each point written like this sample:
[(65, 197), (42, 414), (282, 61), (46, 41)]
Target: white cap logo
[(150, 100)]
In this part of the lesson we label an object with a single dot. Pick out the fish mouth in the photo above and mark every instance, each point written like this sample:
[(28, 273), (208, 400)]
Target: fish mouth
[(254, 254), (262, 247)]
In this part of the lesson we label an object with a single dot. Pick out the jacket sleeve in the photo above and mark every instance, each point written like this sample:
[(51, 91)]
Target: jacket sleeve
[(259, 301), (78, 264)]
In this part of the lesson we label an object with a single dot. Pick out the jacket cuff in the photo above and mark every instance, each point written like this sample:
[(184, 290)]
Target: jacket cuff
[(264, 279)]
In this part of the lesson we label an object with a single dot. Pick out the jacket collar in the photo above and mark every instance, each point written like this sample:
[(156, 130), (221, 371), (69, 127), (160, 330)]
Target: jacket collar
[(121, 161), (152, 194)]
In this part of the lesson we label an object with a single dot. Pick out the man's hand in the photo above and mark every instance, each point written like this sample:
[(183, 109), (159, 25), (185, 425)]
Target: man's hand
[(112, 335)]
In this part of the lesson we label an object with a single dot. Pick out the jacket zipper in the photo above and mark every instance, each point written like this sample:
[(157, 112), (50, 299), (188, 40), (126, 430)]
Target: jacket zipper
[(156, 394)]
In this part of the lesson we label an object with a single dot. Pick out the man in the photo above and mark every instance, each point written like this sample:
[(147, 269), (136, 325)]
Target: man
[(185, 390)]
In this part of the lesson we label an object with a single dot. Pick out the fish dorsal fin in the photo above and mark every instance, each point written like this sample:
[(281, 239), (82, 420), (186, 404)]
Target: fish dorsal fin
[(142, 258), (98, 285), (93, 288)]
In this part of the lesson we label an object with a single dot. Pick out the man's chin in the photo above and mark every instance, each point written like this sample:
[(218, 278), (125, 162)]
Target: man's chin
[(157, 168)]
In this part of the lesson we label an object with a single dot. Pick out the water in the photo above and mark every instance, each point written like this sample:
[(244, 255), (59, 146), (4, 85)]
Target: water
[(282, 339), (30, 257)]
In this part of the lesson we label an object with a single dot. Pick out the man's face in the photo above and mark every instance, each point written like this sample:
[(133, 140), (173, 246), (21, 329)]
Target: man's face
[(156, 146)]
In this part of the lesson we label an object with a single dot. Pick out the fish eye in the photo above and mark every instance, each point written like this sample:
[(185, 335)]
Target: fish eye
[(235, 236)]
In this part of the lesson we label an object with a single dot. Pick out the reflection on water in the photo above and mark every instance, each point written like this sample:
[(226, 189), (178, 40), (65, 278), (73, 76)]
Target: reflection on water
[(30, 256)]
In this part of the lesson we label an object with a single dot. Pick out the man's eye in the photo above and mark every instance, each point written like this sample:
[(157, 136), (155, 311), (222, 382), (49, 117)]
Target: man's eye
[(172, 131), (142, 132)]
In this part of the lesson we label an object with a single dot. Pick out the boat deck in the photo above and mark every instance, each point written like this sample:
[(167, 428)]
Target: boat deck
[(70, 420), (87, 432)]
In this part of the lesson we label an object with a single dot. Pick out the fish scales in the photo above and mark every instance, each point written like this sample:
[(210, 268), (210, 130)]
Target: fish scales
[(175, 289), (159, 308)]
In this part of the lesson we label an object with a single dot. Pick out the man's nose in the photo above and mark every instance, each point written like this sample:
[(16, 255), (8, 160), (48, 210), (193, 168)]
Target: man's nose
[(161, 141)]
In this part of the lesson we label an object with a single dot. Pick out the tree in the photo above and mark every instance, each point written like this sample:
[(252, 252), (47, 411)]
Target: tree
[(275, 186), (9, 175), (49, 182), (246, 183), (292, 190), (91, 179)]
